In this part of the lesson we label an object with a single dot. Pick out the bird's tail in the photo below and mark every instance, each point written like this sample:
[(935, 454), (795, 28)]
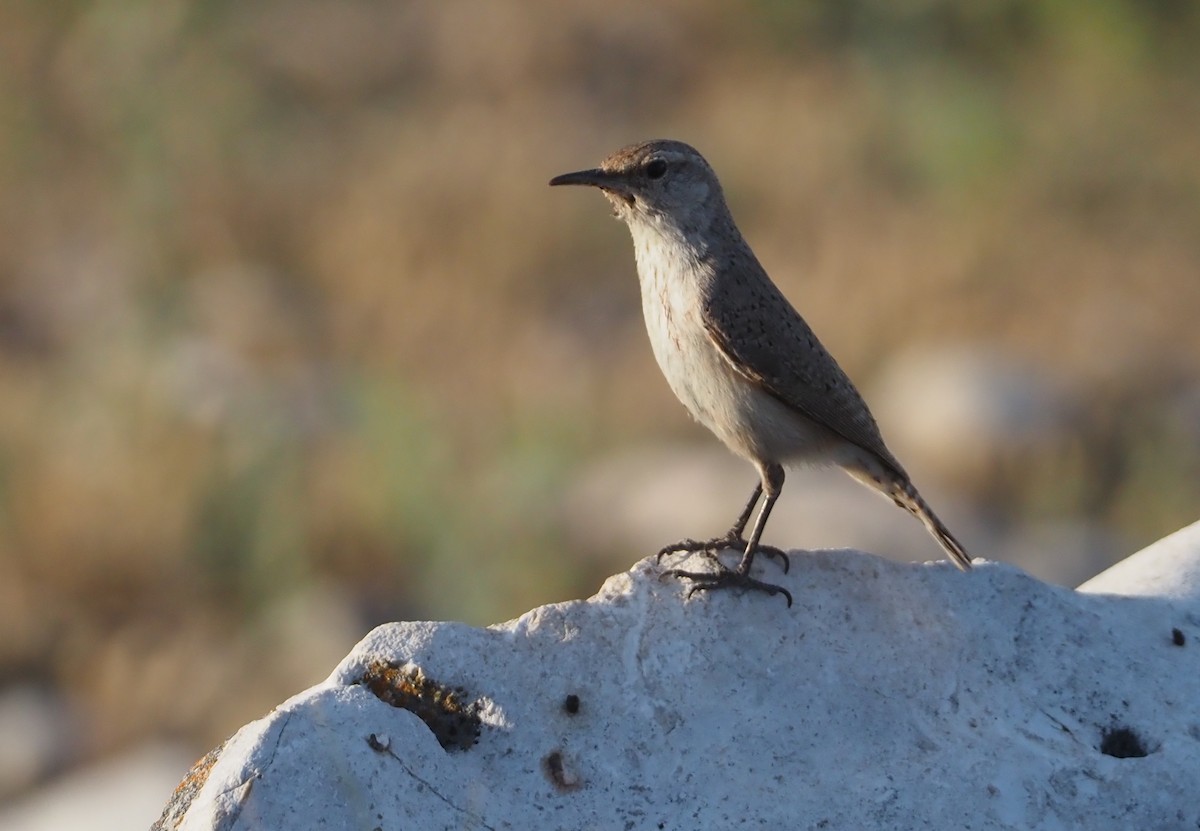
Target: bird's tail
[(906, 496), (901, 491)]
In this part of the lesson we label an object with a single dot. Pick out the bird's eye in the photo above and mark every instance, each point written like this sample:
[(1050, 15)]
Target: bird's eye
[(656, 169)]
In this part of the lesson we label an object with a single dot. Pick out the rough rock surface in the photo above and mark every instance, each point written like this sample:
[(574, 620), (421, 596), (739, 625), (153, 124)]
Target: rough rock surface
[(890, 696)]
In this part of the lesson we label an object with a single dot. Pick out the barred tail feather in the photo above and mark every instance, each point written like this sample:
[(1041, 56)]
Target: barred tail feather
[(947, 540), (900, 490), (911, 501)]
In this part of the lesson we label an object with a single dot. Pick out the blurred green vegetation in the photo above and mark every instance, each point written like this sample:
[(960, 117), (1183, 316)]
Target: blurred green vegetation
[(284, 297)]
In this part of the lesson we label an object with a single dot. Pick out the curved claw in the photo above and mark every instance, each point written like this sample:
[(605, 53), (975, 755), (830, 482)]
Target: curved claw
[(726, 579), (718, 544), (690, 546)]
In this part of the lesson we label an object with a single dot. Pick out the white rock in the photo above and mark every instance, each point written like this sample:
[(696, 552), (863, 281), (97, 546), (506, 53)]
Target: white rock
[(889, 696), (1168, 568)]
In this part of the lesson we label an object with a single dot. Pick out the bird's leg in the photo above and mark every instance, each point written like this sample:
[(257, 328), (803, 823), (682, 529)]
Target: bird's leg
[(739, 526), (732, 539), (773, 479), (724, 578)]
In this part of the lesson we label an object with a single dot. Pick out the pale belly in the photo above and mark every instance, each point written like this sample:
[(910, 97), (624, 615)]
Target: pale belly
[(750, 421)]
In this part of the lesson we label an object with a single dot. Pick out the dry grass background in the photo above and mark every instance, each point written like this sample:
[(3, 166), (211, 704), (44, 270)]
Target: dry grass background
[(286, 305)]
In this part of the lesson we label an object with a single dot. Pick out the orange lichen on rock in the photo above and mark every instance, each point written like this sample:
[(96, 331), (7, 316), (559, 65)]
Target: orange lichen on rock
[(454, 721)]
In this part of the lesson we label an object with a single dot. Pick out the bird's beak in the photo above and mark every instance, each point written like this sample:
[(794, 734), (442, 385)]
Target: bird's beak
[(613, 184), (595, 177)]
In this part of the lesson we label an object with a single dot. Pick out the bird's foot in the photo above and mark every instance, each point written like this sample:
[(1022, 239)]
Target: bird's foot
[(704, 581), (710, 548)]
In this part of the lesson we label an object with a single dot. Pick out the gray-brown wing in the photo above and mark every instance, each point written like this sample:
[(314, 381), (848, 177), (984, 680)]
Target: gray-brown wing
[(767, 341)]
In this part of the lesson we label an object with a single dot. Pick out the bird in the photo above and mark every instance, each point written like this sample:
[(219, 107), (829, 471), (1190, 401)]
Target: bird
[(738, 355)]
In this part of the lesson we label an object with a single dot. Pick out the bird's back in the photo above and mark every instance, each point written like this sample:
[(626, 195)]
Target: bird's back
[(770, 344)]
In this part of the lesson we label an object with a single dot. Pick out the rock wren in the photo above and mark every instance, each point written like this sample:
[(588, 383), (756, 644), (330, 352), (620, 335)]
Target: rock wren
[(735, 352)]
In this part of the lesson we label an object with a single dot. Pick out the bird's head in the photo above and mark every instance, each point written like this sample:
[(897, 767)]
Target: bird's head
[(661, 182)]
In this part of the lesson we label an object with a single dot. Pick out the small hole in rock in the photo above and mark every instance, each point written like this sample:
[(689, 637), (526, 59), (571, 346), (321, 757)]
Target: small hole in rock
[(556, 769), (1122, 743), (571, 704), (1177, 637)]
